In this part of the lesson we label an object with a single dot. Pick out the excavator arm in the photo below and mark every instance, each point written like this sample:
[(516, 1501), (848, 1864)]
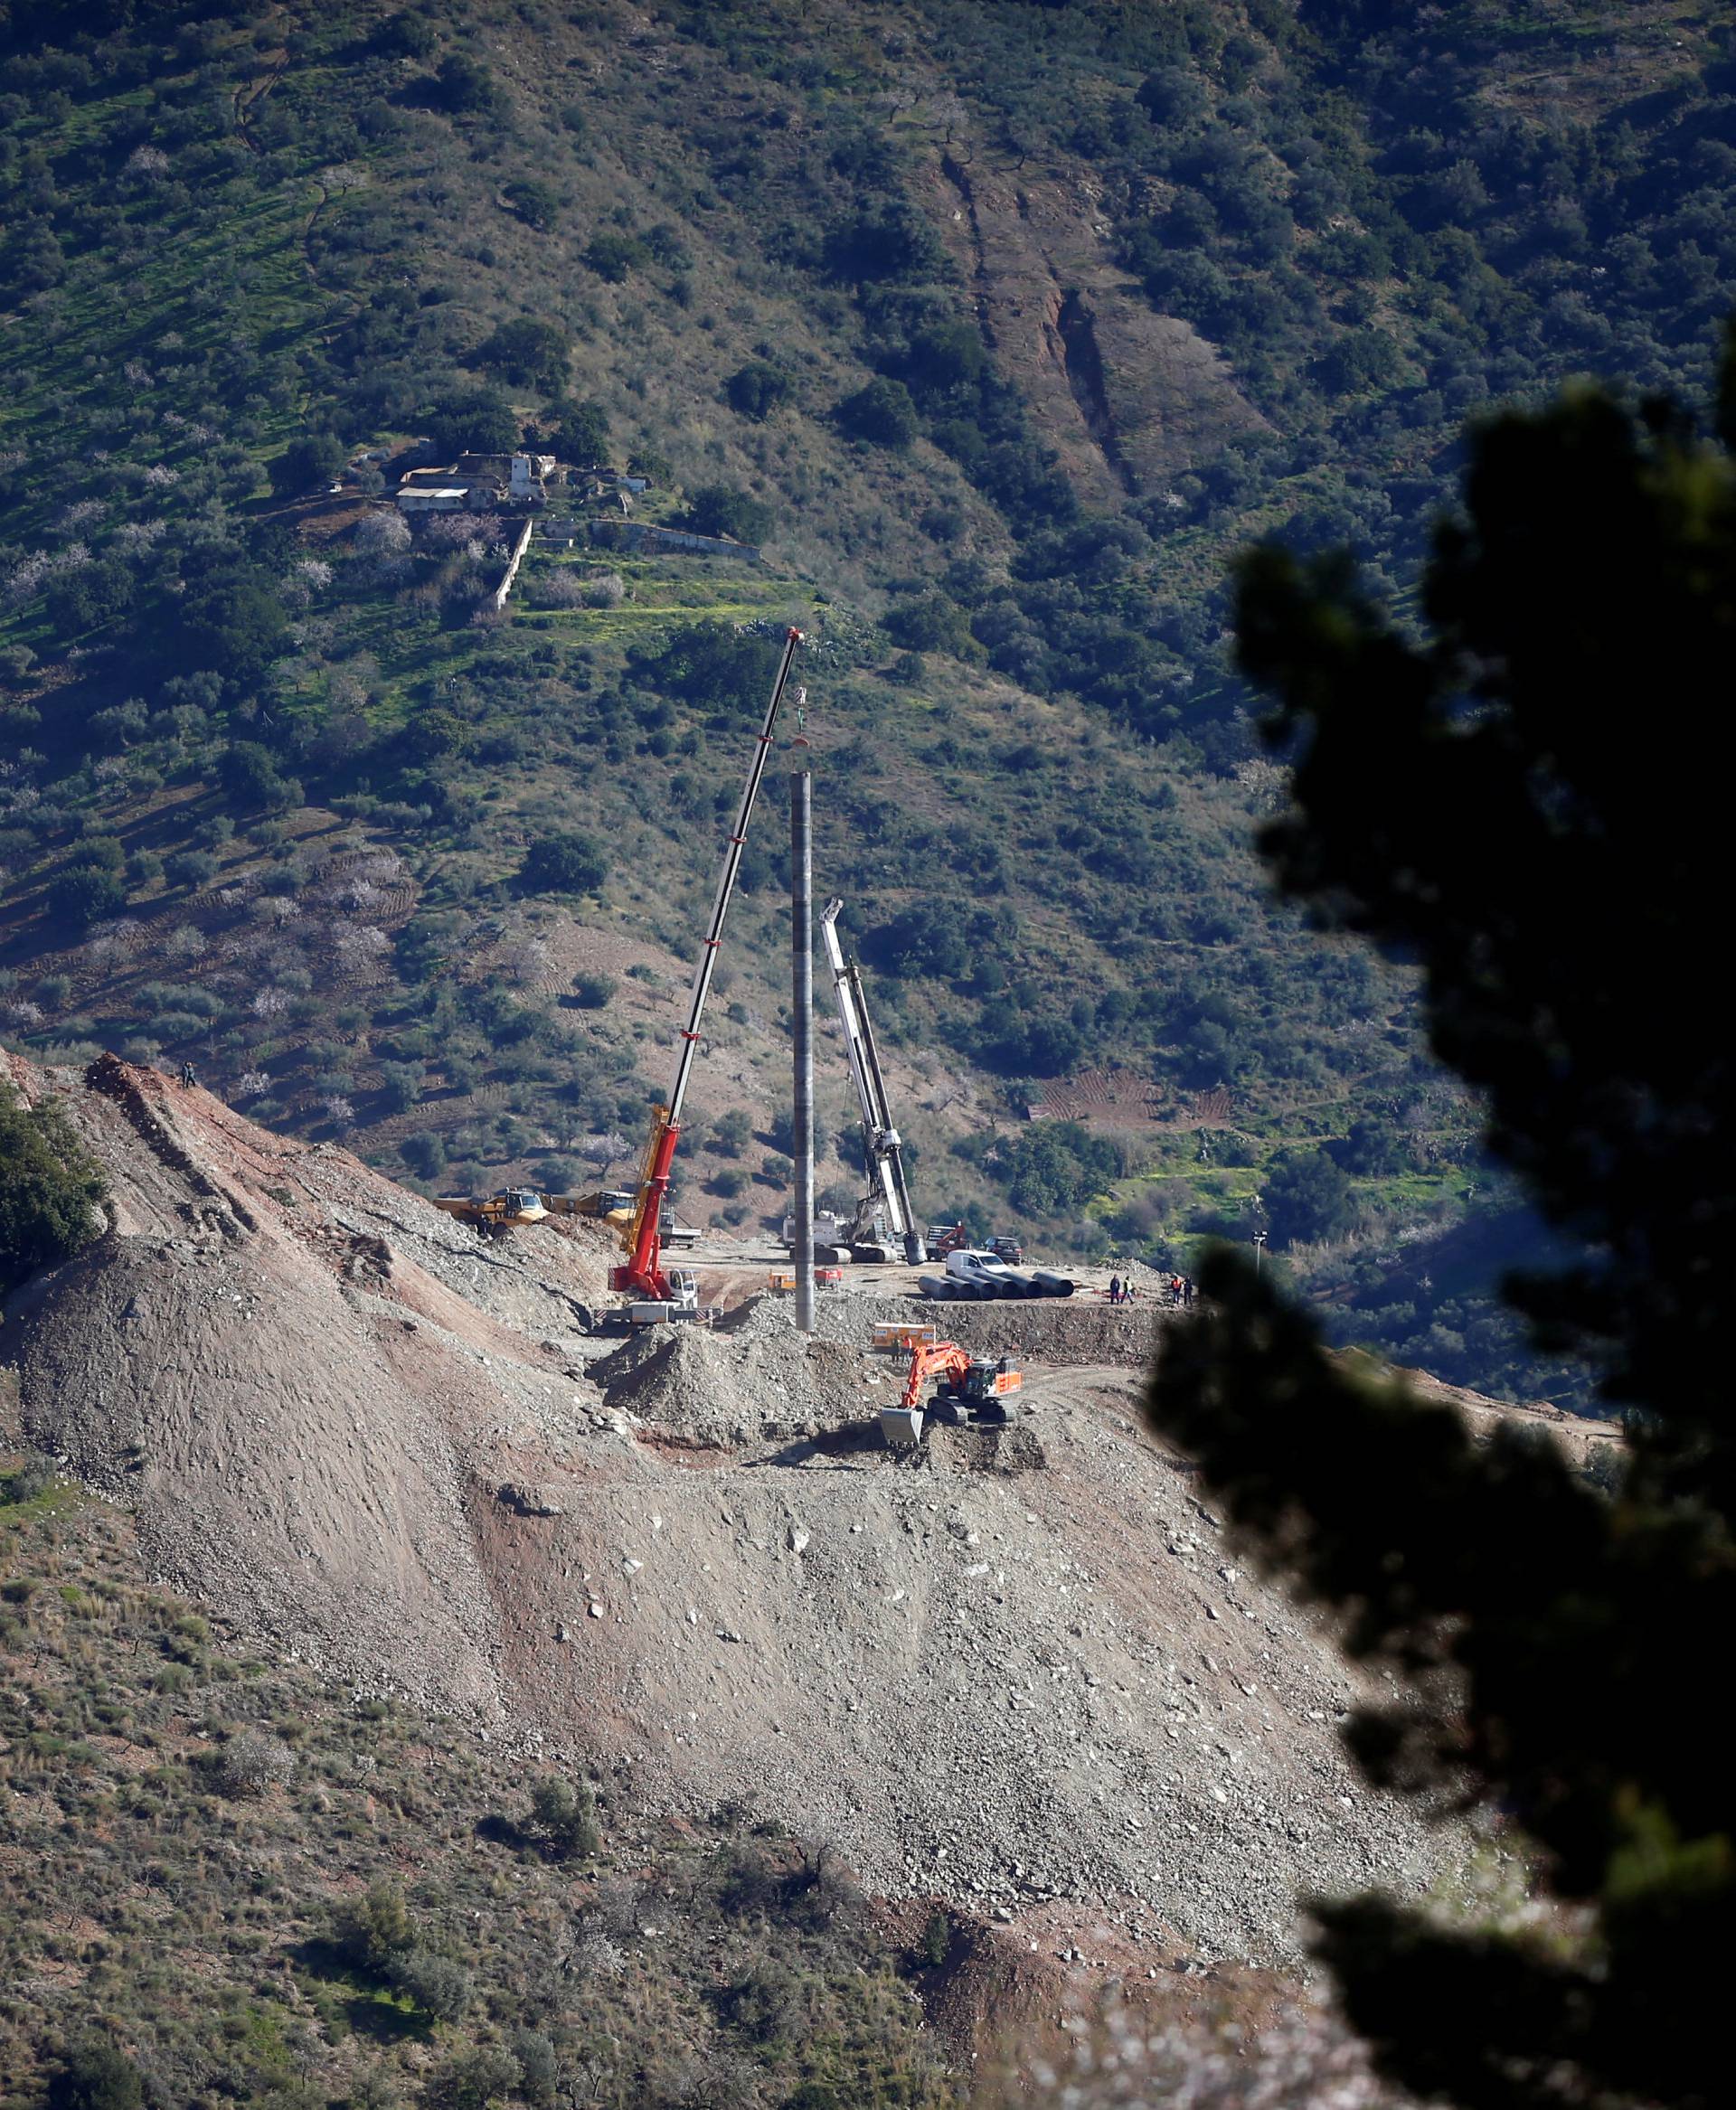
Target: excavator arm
[(931, 1358)]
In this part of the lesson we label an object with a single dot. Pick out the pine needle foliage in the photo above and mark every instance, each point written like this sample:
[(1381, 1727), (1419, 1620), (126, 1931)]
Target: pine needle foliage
[(1529, 801)]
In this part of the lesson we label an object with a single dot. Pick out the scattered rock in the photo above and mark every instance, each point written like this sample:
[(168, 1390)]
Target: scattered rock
[(531, 1502)]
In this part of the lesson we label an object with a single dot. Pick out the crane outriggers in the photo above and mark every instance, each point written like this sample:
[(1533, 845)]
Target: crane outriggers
[(655, 1294)]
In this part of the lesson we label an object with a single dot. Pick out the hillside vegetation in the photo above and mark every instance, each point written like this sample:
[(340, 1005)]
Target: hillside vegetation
[(230, 1882), (998, 326)]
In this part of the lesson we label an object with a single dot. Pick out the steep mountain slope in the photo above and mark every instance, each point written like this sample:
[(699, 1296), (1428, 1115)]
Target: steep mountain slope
[(1019, 1675), (999, 326), (237, 1880)]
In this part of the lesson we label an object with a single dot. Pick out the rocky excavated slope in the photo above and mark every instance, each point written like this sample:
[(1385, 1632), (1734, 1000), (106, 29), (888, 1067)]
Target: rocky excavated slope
[(1020, 1673)]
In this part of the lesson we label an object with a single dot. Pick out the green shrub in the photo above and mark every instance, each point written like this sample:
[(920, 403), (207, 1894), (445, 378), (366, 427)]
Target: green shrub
[(405, 36), (1055, 1166), (402, 1084), (438, 1985), (310, 461), (764, 2004), (248, 774), (231, 622), (593, 992), (1307, 1197), (375, 1929), (756, 390), (424, 1153), (466, 88), (537, 2070), (719, 509), (584, 430), (531, 352), (933, 624), (613, 256), (86, 894), (104, 853), (883, 414), (192, 869), (731, 1132), (475, 2080), (247, 1763), (25, 1482), (49, 1189), (471, 419), (97, 2075), (562, 863), (563, 1818), (1360, 359), (536, 203)]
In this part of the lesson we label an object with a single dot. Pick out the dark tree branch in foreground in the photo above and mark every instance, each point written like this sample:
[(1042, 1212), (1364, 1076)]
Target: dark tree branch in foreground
[(1532, 805)]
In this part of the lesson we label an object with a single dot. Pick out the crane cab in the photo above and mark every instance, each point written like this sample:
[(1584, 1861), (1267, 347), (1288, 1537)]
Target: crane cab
[(682, 1303)]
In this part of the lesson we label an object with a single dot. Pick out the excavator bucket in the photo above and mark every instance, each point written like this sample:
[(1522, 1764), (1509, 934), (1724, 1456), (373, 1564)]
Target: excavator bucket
[(901, 1426)]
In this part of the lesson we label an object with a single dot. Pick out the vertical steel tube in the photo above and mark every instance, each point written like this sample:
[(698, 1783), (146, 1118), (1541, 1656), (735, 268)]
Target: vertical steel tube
[(801, 993)]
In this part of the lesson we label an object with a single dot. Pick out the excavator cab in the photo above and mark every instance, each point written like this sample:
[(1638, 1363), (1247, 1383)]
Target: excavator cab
[(977, 1393)]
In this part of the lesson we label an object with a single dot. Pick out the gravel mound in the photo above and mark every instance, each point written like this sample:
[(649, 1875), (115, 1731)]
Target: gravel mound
[(1059, 1332), (729, 1390)]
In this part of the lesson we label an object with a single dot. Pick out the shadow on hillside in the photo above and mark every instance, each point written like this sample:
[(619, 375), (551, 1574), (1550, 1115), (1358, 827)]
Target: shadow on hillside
[(371, 2010)]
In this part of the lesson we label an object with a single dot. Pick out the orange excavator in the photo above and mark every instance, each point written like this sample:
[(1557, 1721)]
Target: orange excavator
[(654, 1294), (971, 1389)]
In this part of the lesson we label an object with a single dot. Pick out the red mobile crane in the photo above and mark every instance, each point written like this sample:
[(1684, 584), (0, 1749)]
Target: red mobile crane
[(656, 1295)]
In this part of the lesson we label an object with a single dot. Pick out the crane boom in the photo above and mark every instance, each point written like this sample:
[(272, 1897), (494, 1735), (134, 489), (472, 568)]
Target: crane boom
[(883, 1146), (642, 1236)]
